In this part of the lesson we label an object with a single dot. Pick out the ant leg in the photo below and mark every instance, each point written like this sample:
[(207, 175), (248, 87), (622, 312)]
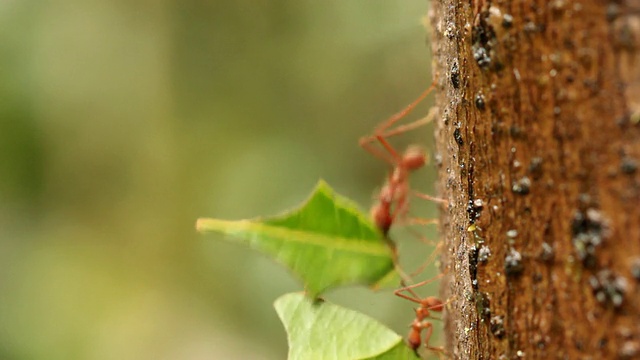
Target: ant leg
[(413, 125), (408, 221), (428, 327), (423, 239), (393, 157), (404, 278), (431, 198), (422, 221), (380, 132), (404, 112), (414, 297), (366, 143), (429, 260)]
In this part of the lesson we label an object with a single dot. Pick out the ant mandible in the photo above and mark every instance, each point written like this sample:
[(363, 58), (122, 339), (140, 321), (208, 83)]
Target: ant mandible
[(423, 314), (392, 199)]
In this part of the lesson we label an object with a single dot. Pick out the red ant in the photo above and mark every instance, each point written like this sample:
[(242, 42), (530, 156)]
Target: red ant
[(392, 201), (396, 188), (423, 313)]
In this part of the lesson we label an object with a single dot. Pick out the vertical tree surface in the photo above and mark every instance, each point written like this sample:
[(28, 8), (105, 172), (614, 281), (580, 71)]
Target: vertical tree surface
[(539, 146)]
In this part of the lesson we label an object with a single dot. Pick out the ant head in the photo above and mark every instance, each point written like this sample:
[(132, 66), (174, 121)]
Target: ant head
[(433, 303), (414, 158)]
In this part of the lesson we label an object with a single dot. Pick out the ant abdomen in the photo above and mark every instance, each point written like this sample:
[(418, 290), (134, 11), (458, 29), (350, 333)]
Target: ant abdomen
[(414, 339), (380, 213)]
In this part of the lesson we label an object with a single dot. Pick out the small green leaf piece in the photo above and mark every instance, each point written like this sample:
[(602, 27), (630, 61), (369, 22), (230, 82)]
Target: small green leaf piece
[(328, 242), (321, 330), (399, 352)]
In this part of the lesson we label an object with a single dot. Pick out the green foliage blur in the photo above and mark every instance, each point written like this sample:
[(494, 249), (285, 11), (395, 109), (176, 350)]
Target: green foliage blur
[(124, 121)]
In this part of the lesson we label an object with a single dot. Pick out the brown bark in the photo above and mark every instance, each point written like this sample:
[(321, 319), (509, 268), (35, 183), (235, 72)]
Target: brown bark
[(539, 141)]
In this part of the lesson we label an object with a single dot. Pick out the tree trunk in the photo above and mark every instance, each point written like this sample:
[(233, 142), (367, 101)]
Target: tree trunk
[(539, 142)]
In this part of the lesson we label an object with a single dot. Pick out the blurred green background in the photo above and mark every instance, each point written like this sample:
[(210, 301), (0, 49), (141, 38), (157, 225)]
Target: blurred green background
[(124, 121)]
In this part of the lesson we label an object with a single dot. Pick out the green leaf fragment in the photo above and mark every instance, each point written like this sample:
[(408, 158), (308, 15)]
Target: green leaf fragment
[(399, 352), (321, 330), (328, 242)]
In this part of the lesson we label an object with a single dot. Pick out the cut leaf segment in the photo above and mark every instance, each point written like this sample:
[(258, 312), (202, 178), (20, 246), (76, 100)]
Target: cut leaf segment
[(327, 242)]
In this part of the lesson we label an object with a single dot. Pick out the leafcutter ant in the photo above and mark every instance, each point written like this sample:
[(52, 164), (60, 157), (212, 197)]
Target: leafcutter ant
[(423, 315), (392, 201)]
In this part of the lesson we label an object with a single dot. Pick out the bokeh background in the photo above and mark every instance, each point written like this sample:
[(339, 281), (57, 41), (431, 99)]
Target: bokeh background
[(124, 121)]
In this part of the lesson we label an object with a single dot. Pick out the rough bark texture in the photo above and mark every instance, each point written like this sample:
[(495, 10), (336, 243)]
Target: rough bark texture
[(539, 142)]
